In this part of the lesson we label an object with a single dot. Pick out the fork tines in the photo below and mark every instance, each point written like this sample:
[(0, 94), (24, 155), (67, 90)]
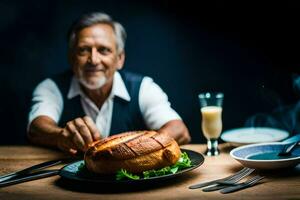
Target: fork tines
[(239, 174), (230, 182)]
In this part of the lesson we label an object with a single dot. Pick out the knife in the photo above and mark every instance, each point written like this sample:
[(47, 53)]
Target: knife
[(243, 185)]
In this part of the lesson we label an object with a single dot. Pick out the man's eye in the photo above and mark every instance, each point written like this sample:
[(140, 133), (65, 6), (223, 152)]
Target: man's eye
[(104, 50), (83, 50)]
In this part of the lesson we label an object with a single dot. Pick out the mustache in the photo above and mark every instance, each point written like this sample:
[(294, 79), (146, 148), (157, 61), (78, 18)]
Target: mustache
[(91, 67)]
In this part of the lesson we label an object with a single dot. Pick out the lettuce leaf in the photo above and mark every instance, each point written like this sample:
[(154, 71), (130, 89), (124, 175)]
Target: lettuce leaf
[(123, 174), (182, 163)]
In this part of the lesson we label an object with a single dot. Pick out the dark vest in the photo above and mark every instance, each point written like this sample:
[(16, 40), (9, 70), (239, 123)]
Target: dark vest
[(126, 115)]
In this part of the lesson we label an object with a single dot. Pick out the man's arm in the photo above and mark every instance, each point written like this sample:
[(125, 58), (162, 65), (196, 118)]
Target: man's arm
[(158, 114), (177, 130), (76, 135), (47, 106), (44, 131)]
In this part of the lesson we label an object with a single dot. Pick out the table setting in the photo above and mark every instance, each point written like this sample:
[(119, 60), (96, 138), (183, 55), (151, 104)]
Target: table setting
[(176, 187), (247, 162)]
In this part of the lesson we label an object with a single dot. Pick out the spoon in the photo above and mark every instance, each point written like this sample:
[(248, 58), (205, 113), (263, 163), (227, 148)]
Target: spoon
[(288, 149)]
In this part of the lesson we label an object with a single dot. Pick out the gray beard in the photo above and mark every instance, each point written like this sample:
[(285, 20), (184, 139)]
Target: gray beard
[(95, 85)]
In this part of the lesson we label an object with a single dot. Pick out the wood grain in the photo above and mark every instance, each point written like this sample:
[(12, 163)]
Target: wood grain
[(276, 185)]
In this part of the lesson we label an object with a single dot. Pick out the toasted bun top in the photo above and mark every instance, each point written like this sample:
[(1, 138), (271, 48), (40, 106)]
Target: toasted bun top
[(129, 145)]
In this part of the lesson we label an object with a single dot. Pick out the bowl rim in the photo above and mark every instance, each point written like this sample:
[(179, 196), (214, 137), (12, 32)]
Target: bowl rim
[(228, 133), (260, 144)]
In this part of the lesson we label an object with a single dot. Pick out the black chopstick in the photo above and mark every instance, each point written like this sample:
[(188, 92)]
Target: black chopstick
[(30, 169), (30, 177)]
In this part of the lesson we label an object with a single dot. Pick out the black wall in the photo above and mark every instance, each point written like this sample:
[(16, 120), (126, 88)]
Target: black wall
[(250, 51)]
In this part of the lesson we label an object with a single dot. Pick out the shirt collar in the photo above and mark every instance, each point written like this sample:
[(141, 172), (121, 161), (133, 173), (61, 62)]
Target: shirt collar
[(118, 89)]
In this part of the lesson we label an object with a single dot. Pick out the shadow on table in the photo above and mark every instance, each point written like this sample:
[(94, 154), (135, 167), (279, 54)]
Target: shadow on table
[(112, 188), (293, 172), (227, 148)]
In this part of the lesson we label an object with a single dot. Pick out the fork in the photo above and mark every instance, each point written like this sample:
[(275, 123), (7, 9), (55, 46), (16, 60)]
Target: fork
[(243, 185), (224, 184), (204, 184)]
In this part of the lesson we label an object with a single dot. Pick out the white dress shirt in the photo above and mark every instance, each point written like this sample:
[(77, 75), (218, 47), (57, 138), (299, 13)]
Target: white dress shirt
[(154, 105)]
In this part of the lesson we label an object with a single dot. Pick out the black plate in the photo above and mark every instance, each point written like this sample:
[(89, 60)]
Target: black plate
[(71, 172)]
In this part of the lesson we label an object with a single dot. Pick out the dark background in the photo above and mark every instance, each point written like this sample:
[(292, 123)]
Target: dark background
[(248, 50)]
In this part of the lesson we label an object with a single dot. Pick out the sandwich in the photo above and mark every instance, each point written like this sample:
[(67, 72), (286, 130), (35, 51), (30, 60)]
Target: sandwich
[(135, 152)]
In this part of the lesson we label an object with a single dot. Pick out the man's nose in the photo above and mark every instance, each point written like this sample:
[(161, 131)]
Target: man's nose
[(95, 58)]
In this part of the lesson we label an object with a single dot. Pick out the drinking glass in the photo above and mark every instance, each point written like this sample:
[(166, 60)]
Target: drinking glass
[(211, 112)]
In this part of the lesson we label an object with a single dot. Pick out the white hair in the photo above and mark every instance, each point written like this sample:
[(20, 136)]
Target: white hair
[(98, 18)]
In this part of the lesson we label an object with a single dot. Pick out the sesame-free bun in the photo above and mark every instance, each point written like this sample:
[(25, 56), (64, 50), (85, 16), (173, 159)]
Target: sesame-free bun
[(135, 151)]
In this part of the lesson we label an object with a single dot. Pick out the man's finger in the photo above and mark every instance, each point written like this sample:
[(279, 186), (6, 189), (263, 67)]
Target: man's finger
[(92, 127), (73, 151), (69, 147), (75, 136), (84, 131), (65, 144)]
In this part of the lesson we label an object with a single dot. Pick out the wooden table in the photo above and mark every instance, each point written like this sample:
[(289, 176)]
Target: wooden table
[(276, 185)]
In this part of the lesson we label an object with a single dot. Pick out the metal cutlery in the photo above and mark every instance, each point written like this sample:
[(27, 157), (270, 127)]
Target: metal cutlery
[(30, 169), (30, 177), (230, 182), (288, 149), (32, 173), (243, 185), (242, 172)]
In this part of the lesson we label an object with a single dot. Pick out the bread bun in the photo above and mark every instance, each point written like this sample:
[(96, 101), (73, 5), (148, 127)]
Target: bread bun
[(135, 151)]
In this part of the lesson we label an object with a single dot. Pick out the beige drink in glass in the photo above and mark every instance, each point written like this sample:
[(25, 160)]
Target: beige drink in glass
[(211, 112), (211, 121)]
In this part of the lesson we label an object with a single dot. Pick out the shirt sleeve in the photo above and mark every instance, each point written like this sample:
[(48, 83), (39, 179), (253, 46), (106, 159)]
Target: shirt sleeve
[(154, 105), (46, 100)]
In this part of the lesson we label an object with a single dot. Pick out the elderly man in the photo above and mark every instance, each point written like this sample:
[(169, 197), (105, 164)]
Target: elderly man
[(95, 99)]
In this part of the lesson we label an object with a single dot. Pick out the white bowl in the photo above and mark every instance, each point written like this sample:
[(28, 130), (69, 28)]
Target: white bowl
[(244, 155)]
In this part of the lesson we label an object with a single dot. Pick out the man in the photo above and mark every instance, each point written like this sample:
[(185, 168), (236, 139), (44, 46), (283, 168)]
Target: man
[(95, 100)]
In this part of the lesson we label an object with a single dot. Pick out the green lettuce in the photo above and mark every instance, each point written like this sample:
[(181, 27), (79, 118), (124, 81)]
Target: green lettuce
[(182, 163), (123, 174)]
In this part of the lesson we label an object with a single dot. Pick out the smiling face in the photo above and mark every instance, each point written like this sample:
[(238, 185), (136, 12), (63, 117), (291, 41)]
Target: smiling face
[(95, 58)]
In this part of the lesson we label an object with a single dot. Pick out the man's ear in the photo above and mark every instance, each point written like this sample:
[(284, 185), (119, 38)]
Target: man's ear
[(121, 60)]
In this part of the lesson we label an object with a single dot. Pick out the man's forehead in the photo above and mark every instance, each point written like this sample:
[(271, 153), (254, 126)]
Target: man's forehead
[(97, 31)]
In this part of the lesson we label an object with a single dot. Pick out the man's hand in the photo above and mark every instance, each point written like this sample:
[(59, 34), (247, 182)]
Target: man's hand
[(177, 130), (77, 135)]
